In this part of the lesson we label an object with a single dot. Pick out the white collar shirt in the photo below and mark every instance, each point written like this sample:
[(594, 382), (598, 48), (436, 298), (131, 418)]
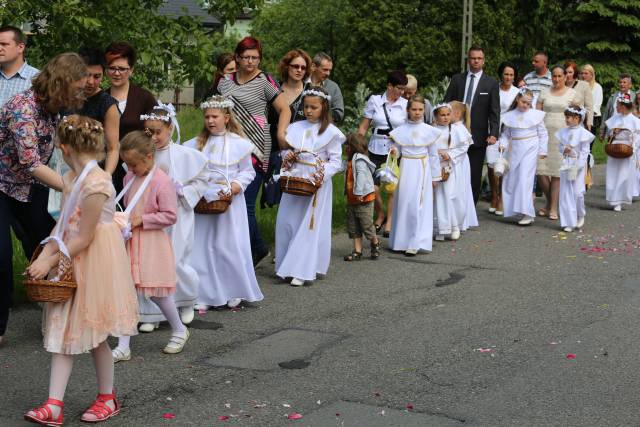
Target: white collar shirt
[(374, 110), (475, 85)]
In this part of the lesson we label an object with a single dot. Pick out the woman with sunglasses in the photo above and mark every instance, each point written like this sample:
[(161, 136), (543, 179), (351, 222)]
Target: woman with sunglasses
[(133, 101), (294, 70)]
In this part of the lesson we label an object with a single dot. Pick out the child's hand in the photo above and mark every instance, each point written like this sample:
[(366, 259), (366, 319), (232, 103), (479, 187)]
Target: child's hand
[(136, 221), (235, 188), (434, 184), (289, 157), (42, 266), (567, 151), (444, 155), (393, 151), (543, 156)]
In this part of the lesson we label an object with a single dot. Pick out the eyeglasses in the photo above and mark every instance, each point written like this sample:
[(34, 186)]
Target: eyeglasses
[(250, 58), (298, 67), (114, 70)]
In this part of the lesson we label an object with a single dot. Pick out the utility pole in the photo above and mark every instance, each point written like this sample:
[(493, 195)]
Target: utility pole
[(467, 32)]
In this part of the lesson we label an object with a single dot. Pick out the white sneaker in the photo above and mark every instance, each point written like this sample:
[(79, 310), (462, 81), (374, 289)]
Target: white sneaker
[(568, 229), (455, 233), (411, 252), (297, 282), (526, 220), (617, 208), (499, 213), (440, 237), (148, 327), (187, 314), (234, 302), (201, 307), (120, 355), (492, 210), (580, 223)]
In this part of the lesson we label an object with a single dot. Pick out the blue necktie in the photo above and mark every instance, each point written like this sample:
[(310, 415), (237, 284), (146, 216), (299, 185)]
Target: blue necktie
[(467, 99)]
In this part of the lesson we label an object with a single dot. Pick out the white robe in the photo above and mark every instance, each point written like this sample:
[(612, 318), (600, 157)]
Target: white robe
[(470, 216), (187, 168), (222, 249), (571, 203), (303, 224), (523, 138), (412, 226), (450, 196), (621, 179)]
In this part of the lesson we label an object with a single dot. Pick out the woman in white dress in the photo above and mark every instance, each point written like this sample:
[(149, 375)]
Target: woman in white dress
[(575, 141), (222, 247), (508, 91), (621, 181), (523, 139), (415, 142), (303, 224), (588, 74), (553, 102)]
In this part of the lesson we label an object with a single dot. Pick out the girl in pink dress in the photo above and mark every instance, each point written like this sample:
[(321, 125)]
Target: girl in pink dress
[(151, 202), (104, 302)]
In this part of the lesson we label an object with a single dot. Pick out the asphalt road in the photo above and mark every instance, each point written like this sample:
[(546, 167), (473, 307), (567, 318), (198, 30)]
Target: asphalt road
[(508, 326)]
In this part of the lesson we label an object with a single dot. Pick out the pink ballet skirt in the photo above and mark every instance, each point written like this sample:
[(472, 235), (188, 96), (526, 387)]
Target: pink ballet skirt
[(105, 302), (151, 255)]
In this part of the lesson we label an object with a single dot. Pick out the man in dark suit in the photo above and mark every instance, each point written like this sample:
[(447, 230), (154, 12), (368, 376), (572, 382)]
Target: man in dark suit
[(481, 92)]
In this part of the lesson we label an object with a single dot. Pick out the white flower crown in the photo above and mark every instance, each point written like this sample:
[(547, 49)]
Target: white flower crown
[(624, 99), (219, 103), (171, 116), (314, 92), (581, 111), (523, 91), (441, 105), (153, 116)]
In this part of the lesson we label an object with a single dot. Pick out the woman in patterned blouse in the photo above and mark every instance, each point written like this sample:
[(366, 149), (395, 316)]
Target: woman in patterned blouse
[(26, 143)]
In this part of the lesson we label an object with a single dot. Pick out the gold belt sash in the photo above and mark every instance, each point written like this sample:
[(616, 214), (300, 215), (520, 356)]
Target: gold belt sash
[(524, 137)]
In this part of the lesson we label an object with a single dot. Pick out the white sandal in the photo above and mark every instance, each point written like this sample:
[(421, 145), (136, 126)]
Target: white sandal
[(120, 355), (176, 343)]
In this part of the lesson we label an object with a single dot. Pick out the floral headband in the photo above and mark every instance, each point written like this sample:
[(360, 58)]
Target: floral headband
[(624, 99), (581, 111), (171, 116), (442, 105), (68, 126), (218, 102), (525, 91), (314, 92)]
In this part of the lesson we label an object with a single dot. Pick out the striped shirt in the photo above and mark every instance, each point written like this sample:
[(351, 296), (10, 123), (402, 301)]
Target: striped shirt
[(538, 83), (17, 83), (251, 100)]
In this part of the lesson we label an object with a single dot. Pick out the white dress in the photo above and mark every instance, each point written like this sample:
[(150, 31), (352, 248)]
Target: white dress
[(187, 168), (412, 226), (621, 179), (506, 99), (303, 224), (523, 138), (222, 248), (450, 196), (571, 203), (464, 180)]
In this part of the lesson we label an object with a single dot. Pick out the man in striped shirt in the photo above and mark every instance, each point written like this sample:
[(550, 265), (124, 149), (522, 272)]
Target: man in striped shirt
[(15, 73), (540, 78)]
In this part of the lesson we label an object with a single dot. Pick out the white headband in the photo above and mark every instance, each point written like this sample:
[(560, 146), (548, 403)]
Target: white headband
[(439, 106), (523, 91), (314, 92), (577, 110), (171, 116), (217, 102)]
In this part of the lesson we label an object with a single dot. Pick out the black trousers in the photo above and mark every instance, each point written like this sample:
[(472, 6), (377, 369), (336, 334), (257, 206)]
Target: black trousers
[(34, 224), (476, 160)]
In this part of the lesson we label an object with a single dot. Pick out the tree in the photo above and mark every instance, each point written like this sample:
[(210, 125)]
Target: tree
[(163, 43), (228, 10)]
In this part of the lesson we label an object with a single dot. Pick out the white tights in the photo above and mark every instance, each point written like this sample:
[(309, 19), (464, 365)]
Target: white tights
[(169, 310)]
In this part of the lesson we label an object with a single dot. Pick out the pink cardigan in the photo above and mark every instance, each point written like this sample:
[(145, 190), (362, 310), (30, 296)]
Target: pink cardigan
[(161, 207)]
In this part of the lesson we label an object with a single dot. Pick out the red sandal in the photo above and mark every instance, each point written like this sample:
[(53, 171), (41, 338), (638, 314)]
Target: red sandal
[(44, 416), (100, 410)]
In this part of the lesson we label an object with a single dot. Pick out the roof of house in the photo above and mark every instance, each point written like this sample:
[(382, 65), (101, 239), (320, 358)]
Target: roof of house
[(188, 8)]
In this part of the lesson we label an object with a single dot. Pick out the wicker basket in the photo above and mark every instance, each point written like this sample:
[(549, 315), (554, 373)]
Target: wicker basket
[(215, 207), (619, 151), (44, 290), (299, 186)]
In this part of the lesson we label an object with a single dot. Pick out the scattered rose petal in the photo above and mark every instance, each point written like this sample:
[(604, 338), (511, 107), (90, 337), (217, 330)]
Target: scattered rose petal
[(227, 382), (319, 402), (571, 356), (169, 416), (381, 413), (169, 398), (409, 406), (337, 414), (294, 416), (223, 418), (377, 394), (260, 405), (484, 350), (286, 405)]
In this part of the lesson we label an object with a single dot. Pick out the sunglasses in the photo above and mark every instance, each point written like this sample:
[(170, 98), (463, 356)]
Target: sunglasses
[(298, 67)]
